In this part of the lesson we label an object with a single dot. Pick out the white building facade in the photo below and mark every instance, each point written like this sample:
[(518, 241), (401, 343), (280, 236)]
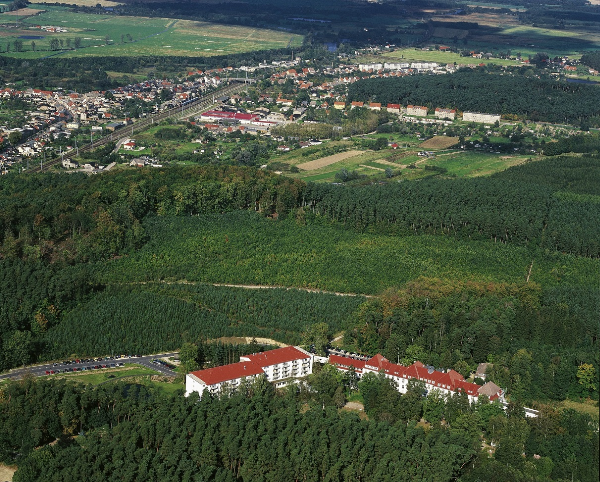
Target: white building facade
[(480, 118), (280, 367)]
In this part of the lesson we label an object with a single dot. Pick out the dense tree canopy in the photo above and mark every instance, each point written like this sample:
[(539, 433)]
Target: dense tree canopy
[(537, 339), (538, 99), (512, 208), (128, 432)]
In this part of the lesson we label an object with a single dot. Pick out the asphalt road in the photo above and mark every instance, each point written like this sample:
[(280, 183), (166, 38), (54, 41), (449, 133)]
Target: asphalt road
[(107, 362)]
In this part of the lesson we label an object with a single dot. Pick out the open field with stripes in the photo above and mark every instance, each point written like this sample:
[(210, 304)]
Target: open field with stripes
[(112, 35)]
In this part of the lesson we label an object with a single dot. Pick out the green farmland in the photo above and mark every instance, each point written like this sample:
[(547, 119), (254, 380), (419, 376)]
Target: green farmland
[(110, 35), (373, 163)]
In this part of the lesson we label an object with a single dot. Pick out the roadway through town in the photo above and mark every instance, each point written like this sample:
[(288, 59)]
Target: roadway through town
[(187, 110), (93, 364)]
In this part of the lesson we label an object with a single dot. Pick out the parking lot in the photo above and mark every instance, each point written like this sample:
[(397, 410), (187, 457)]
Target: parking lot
[(154, 362)]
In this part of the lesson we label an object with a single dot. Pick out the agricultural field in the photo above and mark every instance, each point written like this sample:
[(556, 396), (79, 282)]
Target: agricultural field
[(108, 35), (83, 3), (327, 161), (439, 142), (504, 31), (475, 164), (373, 163), (430, 55), (361, 161)]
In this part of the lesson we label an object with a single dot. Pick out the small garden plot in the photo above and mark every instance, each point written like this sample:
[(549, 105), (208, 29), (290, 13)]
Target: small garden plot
[(439, 142), (327, 161)]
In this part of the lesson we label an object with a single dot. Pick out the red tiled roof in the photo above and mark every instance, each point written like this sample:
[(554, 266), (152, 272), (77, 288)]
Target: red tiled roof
[(379, 361), (210, 376), (279, 355), (454, 375), (450, 380), (230, 115), (345, 362), (468, 388)]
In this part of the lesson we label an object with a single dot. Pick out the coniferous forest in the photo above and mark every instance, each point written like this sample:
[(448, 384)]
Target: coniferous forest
[(131, 433), (457, 272), (537, 99)]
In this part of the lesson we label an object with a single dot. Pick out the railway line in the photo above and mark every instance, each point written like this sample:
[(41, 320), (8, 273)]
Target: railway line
[(201, 104)]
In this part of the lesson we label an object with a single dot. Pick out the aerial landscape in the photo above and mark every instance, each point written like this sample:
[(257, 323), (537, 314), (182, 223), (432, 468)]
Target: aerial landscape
[(333, 240)]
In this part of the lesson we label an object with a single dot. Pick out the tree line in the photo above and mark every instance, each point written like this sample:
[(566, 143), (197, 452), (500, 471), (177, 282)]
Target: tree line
[(169, 316), (591, 59), (55, 429), (83, 74), (505, 208), (76, 218), (482, 90), (542, 343)]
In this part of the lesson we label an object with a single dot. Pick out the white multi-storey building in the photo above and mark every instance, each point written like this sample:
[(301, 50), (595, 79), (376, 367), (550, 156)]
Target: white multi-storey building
[(447, 383), (418, 110), (279, 366), (481, 118), (445, 113)]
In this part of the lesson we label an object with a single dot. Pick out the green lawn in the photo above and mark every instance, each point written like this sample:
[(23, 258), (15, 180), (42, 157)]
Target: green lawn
[(474, 164), (419, 55), (588, 407), (95, 377), (130, 371)]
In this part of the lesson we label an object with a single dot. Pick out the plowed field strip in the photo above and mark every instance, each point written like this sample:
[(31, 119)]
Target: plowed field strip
[(326, 161)]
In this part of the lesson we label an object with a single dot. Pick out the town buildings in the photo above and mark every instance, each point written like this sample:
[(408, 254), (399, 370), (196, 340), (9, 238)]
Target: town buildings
[(416, 110), (445, 113)]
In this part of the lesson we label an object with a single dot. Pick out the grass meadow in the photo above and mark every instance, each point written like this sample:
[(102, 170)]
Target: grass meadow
[(111, 35), (129, 372)]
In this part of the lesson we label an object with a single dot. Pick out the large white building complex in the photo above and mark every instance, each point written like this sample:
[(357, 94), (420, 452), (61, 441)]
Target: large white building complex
[(446, 382), (279, 366), (481, 118), (285, 365)]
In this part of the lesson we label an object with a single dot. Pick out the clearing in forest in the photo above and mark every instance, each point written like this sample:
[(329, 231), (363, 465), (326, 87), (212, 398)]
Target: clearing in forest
[(439, 142), (327, 161), (6, 473)]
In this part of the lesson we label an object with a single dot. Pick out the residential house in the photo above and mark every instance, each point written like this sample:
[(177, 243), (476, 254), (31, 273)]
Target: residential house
[(393, 108), (445, 113), (416, 110)]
